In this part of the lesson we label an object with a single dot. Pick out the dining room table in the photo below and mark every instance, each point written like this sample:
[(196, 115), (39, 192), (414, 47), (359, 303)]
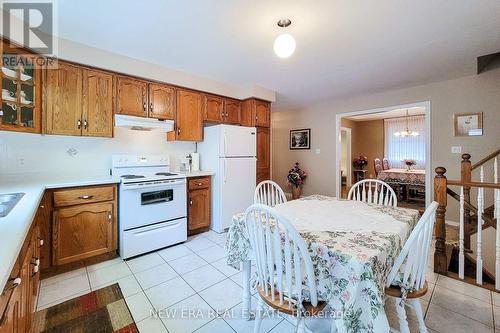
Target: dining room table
[(403, 176), (353, 246)]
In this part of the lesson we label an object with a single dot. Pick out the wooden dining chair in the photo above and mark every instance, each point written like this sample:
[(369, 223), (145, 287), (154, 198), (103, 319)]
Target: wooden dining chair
[(283, 264), (385, 164), (373, 191), (269, 193), (377, 166), (410, 268)]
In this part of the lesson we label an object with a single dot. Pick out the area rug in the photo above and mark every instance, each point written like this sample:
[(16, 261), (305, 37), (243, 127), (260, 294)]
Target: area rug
[(103, 310)]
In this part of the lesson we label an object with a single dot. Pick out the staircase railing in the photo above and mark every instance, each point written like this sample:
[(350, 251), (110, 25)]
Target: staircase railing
[(472, 218)]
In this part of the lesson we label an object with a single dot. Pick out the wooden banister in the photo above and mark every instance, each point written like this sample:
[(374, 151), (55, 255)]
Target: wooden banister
[(440, 260), (489, 221), (486, 159), (473, 184)]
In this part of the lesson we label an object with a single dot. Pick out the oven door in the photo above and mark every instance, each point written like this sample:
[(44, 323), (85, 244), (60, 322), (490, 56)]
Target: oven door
[(146, 203)]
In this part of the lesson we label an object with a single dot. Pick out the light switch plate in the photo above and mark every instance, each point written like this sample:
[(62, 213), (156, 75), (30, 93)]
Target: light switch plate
[(456, 149), (318, 151)]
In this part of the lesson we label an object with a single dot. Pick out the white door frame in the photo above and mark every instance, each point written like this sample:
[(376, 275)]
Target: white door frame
[(428, 164), (349, 157)]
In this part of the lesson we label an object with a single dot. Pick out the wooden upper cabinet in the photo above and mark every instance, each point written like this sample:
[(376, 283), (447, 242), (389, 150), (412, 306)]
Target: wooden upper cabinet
[(255, 112), (63, 99), (232, 111), (98, 105), (189, 117), (131, 96), (262, 113), (83, 231), (161, 101), (21, 86), (213, 109)]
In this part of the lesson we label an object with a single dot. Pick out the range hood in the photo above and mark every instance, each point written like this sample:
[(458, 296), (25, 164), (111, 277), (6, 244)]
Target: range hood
[(143, 124)]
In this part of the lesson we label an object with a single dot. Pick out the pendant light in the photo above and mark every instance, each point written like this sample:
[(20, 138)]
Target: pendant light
[(284, 44), (407, 131)]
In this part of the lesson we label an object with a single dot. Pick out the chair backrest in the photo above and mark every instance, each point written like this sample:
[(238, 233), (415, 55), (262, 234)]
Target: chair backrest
[(377, 165), (415, 252), (373, 191), (269, 193), (282, 259), (385, 164)]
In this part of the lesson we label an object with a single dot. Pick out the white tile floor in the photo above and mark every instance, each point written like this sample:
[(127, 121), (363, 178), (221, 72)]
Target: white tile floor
[(193, 276)]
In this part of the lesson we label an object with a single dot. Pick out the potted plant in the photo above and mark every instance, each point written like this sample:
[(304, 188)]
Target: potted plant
[(360, 162), (296, 177), (409, 163)]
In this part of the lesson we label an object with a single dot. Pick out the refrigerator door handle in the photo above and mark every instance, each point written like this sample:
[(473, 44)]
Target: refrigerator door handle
[(225, 171), (225, 144)]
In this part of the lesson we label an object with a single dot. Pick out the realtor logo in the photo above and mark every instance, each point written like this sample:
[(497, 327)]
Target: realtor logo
[(30, 23)]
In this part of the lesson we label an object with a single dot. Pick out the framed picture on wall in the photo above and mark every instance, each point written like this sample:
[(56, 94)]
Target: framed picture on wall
[(300, 139), (468, 124)]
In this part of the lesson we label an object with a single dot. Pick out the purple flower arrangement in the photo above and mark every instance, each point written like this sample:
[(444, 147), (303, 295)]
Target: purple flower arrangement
[(296, 175)]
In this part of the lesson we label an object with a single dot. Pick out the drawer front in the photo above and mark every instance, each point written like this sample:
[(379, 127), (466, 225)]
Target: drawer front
[(83, 195), (153, 237), (198, 183)]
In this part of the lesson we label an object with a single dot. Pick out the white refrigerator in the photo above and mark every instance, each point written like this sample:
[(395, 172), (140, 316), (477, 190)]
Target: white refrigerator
[(230, 152)]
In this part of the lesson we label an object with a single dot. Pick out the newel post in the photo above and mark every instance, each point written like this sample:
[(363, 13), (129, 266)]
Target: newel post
[(440, 261), (465, 177)]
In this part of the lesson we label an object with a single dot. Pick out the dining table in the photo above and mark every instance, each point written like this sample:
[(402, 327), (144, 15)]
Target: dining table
[(403, 176), (353, 246)]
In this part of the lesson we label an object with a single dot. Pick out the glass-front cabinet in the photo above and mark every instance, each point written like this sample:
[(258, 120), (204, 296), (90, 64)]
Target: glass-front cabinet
[(21, 90)]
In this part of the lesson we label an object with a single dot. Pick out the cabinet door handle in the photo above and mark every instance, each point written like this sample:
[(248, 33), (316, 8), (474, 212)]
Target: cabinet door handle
[(199, 184), (145, 106), (85, 124), (178, 130), (86, 197), (110, 217), (41, 242), (190, 202), (151, 107), (15, 283), (79, 124)]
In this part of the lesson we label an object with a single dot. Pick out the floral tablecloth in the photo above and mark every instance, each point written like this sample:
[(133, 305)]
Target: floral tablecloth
[(403, 176), (353, 246)]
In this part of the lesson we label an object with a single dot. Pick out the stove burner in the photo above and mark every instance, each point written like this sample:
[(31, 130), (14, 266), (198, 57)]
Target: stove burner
[(165, 174), (132, 176)]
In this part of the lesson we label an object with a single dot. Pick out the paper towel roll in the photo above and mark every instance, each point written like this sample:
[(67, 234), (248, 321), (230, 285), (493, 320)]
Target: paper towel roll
[(195, 162)]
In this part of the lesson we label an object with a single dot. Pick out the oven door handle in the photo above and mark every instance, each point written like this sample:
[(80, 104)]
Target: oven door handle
[(156, 201)]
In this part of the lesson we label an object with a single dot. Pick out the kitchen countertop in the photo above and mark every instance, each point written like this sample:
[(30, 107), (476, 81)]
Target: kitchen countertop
[(197, 174), (15, 226)]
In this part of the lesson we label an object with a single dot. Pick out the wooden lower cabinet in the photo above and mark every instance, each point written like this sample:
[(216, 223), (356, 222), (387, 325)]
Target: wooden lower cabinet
[(18, 300), (83, 230), (198, 204)]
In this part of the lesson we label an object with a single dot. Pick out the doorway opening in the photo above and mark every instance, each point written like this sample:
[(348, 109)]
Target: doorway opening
[(391, 144)]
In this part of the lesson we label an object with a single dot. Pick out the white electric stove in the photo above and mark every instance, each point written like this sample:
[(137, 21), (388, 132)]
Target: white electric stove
[(152, 206)]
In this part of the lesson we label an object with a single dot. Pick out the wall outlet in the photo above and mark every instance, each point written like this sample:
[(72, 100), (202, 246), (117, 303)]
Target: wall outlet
[(456, 149)]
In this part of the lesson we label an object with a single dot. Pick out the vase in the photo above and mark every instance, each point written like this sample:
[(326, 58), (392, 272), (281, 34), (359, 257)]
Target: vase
[(296, 191)]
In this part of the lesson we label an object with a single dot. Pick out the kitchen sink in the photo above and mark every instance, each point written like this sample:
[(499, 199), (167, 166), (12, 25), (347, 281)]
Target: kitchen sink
[(8, 202)]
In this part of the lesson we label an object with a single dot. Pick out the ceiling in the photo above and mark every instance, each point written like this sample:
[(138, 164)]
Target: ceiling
[(344, 48), (415, 111)]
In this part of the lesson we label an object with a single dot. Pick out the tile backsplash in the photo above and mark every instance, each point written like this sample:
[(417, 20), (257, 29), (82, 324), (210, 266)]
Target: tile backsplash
[(21, 153)]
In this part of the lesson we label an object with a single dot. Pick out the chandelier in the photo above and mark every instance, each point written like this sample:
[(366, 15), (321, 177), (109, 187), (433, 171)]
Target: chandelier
[(407, 131)]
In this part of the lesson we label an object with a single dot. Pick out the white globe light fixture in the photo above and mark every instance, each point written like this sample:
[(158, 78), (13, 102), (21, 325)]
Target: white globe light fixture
[(284, 44)]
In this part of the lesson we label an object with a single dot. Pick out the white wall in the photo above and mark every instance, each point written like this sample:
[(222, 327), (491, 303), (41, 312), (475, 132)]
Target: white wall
[(21, 153), (476, 93)]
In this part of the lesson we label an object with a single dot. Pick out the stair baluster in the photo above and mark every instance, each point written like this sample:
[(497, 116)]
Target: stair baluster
[(461, 236)]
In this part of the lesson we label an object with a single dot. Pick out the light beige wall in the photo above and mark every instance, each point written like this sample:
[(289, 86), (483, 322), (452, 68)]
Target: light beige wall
[(467, 94), (368, 141)]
